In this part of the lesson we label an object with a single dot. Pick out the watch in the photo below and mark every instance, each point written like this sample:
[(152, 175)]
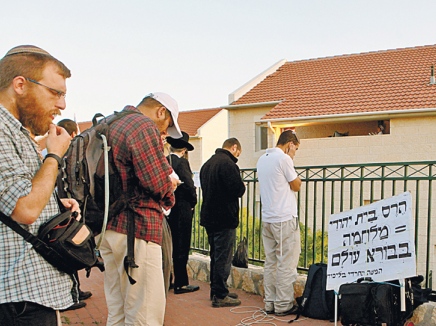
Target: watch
[(56, 157)]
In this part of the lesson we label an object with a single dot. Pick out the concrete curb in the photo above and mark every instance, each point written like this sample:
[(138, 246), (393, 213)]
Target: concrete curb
[(251, 280)]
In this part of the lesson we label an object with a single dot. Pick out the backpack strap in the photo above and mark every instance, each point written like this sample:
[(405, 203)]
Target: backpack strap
[(29, 237), (129, 260), (94, 119), (431, 296)]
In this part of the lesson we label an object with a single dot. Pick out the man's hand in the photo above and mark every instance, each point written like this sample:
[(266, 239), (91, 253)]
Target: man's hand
[(175, 182), (291, 150), (58, 140), (72, 205)]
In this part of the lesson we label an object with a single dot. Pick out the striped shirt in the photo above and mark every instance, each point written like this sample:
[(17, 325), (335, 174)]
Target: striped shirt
[(24, 274), (139, 157)]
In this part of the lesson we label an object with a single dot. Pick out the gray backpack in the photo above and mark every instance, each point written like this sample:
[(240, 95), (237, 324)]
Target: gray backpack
[(90, 176)]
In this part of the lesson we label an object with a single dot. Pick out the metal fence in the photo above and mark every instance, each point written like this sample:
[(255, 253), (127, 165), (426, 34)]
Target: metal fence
[(332, 189)]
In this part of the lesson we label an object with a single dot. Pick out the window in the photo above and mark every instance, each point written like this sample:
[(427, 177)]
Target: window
[(261, 138)]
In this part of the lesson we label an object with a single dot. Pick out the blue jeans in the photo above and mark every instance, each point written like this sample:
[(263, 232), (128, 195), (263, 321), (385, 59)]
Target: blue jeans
[(26, 313), (221, 253)]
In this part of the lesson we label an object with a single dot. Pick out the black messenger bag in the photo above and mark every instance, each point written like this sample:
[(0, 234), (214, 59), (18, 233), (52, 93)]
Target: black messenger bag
[(64, 242)]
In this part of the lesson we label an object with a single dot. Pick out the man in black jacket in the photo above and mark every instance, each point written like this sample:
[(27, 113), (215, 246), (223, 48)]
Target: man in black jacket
[(222, 187)]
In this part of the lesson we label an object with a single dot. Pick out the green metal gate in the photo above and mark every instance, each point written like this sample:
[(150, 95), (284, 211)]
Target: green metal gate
[(332, 189)]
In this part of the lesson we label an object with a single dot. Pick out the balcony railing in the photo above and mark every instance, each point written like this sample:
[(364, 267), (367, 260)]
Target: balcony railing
[(328, 190)]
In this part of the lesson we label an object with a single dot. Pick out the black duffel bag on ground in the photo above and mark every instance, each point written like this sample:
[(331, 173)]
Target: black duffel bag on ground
[(368, 303), (64, 242)]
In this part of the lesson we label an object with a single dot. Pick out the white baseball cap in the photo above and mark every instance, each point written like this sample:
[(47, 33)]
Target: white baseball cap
[(171, 104)]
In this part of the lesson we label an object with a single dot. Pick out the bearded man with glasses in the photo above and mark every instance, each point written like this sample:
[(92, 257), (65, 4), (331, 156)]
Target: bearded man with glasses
[(32, 93)]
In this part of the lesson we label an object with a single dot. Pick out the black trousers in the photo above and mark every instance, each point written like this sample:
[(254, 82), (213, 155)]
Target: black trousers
[(26, 313), (180, 221), (221, 253)]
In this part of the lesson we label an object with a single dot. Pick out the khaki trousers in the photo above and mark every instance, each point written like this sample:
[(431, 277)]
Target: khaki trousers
[(142, 303), (282, 246)]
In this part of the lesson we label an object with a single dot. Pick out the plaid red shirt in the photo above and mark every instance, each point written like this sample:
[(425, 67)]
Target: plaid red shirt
[(139, 157)]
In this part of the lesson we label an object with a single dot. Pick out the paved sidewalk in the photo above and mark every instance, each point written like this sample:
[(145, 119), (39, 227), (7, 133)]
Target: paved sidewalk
[(183, 309)]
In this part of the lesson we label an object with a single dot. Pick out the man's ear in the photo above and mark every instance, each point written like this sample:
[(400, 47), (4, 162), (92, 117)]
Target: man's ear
[(161, 112), (18, 83)]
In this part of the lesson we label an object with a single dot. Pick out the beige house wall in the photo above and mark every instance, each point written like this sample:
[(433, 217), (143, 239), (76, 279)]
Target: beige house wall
[(210, 137), (194, 156), (242, 125), (409, 139)]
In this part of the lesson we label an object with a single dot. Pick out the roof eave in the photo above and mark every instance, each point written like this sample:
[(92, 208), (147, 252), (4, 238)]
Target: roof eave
[(244, 89), (359, 116), (250, 105)]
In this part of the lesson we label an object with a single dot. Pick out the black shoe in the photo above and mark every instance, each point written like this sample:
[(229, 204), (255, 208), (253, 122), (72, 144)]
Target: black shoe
[(75, 306), (186, 289), (84, 295), (232, 295), (171, 286), (291, 311)]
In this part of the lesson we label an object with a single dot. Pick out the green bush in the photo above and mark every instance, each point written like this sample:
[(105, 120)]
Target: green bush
[(251, 228)]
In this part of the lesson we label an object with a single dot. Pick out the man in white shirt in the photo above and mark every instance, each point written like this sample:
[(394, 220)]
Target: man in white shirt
[(279, 183)]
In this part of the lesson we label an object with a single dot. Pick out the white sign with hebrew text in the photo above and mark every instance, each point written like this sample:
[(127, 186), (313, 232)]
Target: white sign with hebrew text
[(375, 241)]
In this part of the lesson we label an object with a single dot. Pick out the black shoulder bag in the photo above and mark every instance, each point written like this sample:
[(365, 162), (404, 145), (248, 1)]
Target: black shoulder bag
[(64, 242), (240, 258)]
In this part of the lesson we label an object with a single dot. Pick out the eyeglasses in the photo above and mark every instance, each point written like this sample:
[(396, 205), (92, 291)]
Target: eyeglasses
[(59, 94)]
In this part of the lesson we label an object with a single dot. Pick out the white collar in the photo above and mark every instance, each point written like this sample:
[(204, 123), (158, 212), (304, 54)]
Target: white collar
[(177, 155)]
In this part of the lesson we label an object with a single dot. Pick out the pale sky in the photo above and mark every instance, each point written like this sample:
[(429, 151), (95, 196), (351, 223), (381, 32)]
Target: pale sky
[(199, 51)]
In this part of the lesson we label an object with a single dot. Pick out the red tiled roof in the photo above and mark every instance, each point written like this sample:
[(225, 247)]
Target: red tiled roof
[(367, 82), (189, 121), (84, 125)]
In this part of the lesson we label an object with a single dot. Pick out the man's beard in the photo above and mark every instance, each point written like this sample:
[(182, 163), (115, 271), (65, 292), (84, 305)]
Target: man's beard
[(34, 116)]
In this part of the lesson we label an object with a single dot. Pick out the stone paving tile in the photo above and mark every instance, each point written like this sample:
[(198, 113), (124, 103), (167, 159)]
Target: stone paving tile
[(182, 309)]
